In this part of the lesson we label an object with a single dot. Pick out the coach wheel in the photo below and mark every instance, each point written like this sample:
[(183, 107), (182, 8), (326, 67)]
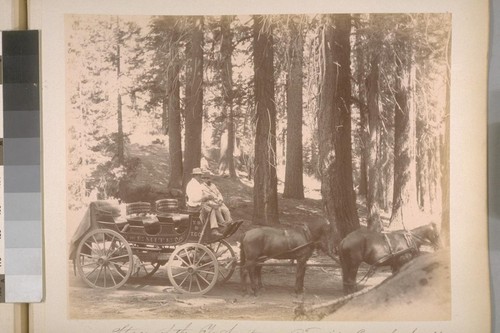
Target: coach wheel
[(226, 258), (104, 259), (193, 269)]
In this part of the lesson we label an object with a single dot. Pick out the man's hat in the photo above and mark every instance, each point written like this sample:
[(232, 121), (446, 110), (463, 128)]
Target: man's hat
[(196, 171)]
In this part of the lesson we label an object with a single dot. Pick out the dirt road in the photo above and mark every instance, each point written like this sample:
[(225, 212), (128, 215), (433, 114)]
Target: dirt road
[(155, 298)]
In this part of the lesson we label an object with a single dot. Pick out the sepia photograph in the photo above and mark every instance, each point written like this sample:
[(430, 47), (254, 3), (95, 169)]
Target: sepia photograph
[(258, 167)]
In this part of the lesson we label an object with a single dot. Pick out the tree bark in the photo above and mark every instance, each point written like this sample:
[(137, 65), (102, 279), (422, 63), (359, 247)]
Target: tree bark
[(227, 87), (374, 167), (194, 98), (174, 125), (265, 193), (294, 184), (405, 212), (334, 127)]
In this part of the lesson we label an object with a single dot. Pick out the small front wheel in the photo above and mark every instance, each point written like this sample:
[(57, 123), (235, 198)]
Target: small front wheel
[(226, 258), (193, 269)]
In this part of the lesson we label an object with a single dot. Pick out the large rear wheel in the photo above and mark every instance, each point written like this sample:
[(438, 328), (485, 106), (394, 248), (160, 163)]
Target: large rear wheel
[(104, 259)]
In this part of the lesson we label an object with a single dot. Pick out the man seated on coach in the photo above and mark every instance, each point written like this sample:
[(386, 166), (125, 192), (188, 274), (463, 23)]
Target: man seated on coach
[(198, 195)]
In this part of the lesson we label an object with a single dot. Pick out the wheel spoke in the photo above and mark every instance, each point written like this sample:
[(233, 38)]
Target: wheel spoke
[(119, 257), (184, 280), (105, 269), (184, 271), (206, 264), (118, 248), (87, 255), (204, 253), (206, 281), (189, 257), (198, 283), (218, 255), (117, 270), (89, 246), (111, 243), (112, 277), (98, 275), (90, 264), (190, 282), (97, 244), (87, 276), (183, 261)]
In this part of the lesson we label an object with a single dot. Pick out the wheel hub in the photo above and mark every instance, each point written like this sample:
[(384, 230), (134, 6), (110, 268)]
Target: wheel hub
[(102, 260)]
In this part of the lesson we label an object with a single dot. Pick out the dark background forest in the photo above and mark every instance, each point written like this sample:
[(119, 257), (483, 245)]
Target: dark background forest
[(355, 105)]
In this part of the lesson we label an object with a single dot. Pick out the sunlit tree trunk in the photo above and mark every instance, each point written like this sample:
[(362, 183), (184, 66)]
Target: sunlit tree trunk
[(194, 98), (174, 124)]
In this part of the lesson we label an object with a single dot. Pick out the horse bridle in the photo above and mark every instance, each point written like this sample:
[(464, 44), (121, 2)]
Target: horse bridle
[(423, 241)]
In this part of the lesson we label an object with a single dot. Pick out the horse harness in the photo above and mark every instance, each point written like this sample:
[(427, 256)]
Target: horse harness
[(410, 242), (308, 236)]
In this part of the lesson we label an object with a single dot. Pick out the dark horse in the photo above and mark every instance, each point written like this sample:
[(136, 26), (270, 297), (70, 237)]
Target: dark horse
[(286, 242), (382, 249)]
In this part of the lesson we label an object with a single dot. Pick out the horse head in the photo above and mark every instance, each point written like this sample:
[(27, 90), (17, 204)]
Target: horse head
[(322, 236), (427, 235)]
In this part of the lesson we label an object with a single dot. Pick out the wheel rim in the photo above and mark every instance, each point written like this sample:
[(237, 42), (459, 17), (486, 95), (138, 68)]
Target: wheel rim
[(193, 269), (226, 258), (104, 259)]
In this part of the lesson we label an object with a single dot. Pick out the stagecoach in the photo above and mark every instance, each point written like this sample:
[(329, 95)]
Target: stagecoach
[(119, 248)]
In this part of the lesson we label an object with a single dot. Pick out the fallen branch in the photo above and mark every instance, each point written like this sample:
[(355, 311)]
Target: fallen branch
[(319, 311)]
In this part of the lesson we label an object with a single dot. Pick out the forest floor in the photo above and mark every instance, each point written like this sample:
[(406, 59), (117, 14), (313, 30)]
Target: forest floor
[(155, 298)]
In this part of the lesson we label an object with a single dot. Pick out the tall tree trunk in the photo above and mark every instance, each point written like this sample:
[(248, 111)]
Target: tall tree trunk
[(120, 144), (363, 132), (334, 127), (174, 125), (374, 166), (405, 212), (194, 98), (226, 51), (294, 184), (265, 193)]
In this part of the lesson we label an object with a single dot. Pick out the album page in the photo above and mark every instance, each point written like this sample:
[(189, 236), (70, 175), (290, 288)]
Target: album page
[(284, 166)]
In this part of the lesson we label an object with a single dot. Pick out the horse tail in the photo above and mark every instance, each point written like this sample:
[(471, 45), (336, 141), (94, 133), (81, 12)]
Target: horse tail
[(242, 253), (243, 269)]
